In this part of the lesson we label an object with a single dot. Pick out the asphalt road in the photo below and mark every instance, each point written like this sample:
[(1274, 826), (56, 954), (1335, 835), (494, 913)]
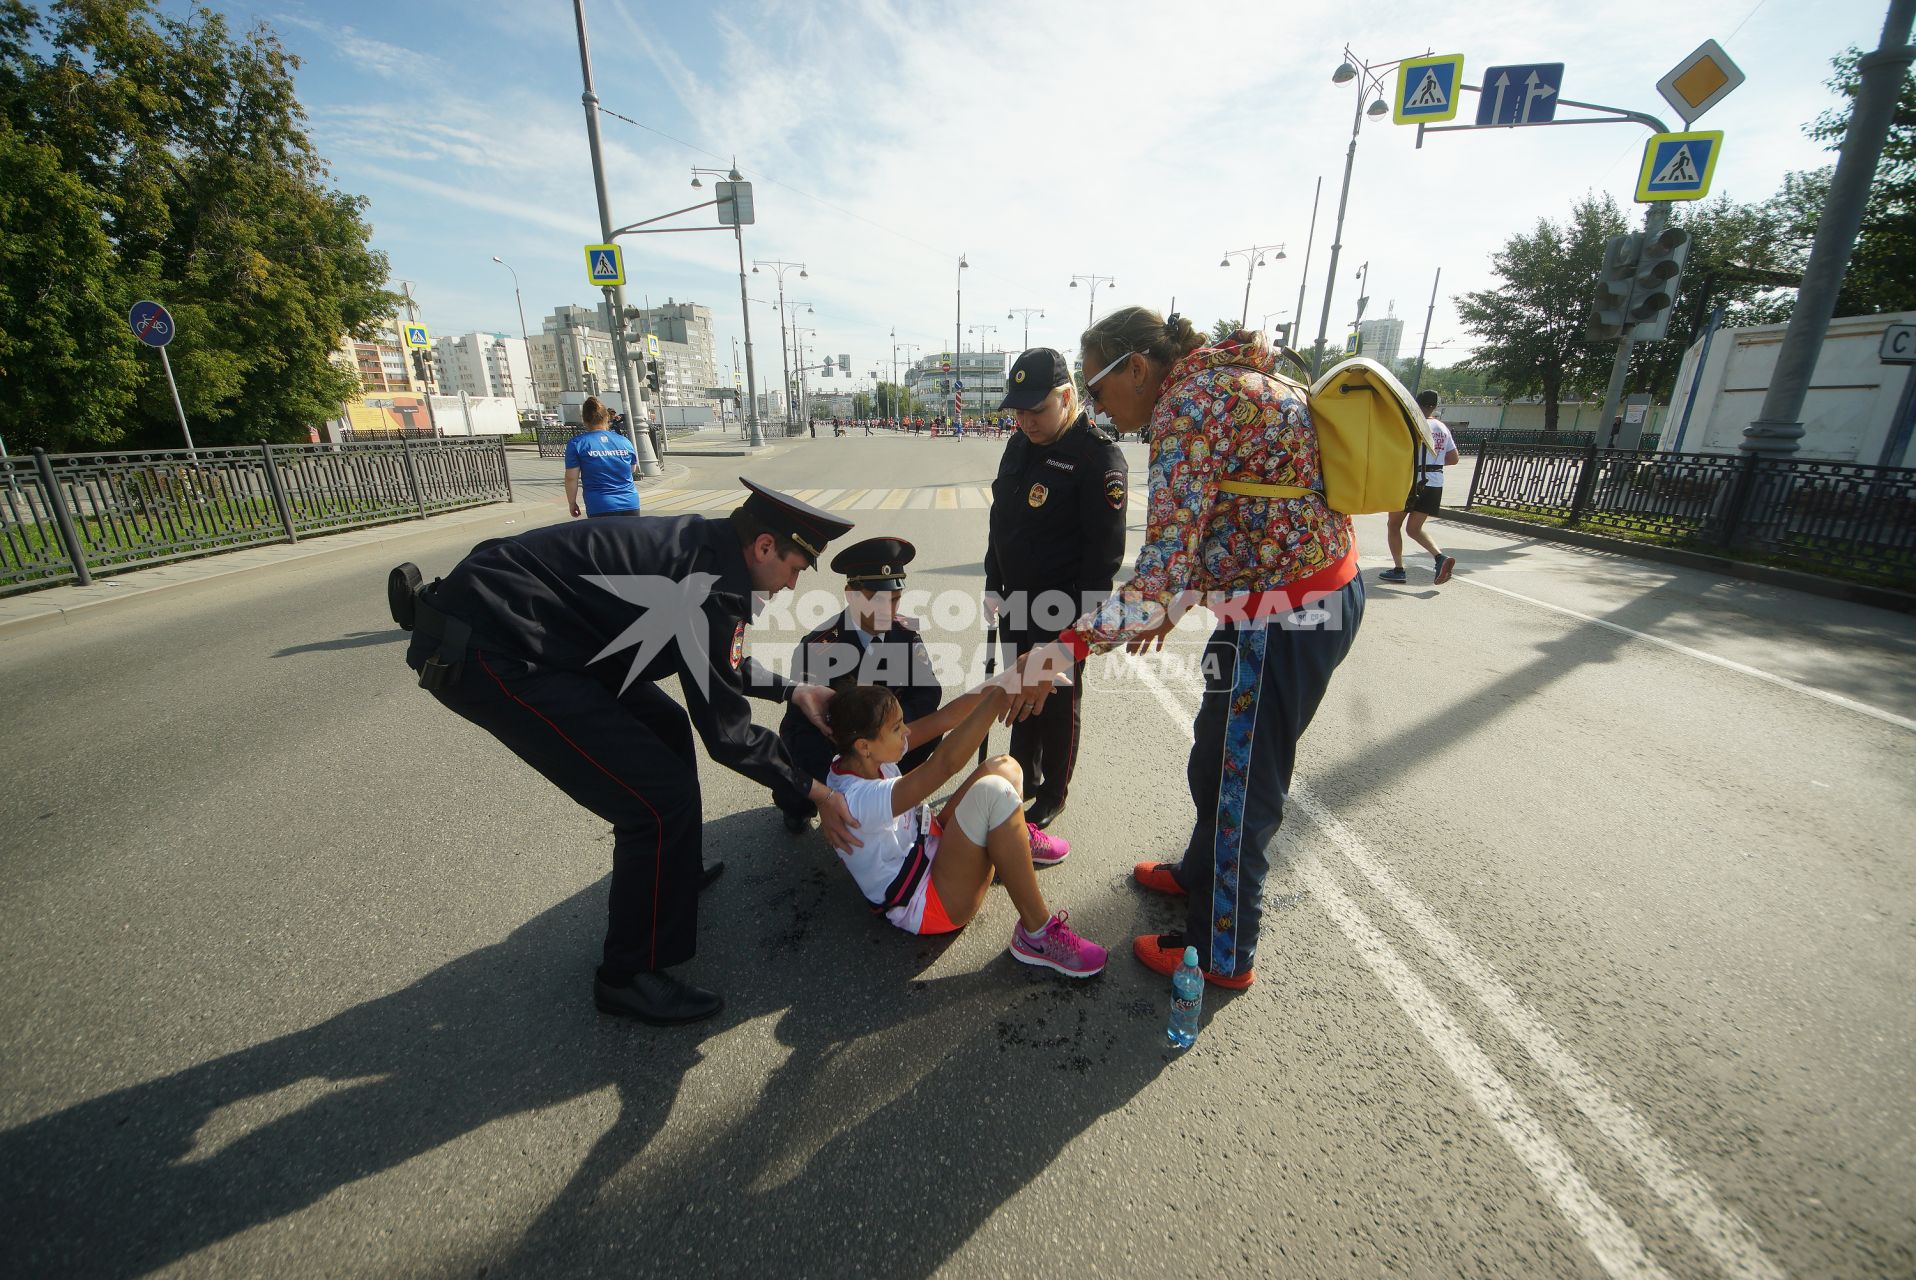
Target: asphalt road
[(1589, 957)]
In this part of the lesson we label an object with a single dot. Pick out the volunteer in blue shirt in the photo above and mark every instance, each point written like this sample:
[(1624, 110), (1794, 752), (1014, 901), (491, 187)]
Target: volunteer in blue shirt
[(602, 462)]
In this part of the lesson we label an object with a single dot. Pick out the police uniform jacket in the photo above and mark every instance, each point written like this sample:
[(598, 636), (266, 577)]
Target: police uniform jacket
[(830, 655), (1057, 515), (538, 596)]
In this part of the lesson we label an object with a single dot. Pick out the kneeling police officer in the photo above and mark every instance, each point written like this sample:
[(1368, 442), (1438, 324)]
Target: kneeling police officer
[(553, 641), (869, 643)]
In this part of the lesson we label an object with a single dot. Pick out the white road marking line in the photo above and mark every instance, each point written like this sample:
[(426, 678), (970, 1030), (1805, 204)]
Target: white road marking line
[(1727, 1238), (1616, 1247), (1836, 699), (1720, 1231)]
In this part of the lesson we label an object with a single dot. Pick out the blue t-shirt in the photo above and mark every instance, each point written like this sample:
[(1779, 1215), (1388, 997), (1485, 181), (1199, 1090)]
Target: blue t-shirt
[(604, 460)]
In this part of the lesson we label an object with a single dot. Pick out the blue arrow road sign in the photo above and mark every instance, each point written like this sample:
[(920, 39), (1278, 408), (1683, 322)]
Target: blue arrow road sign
[(151, 324), (1521, 94)]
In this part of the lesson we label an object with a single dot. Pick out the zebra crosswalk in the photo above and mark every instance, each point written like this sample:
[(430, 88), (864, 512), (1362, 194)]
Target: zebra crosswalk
[(940, 497)]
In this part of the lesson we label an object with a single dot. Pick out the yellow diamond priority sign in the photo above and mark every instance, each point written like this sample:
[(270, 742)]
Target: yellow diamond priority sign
[(1700, 81)]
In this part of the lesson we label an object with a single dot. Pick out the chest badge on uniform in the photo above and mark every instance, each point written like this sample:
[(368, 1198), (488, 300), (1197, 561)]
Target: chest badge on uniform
[(1038, 494), (738, 646), (1114, 489)]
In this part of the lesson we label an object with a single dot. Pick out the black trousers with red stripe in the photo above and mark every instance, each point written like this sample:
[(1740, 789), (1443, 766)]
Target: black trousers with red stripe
[(629, 758)]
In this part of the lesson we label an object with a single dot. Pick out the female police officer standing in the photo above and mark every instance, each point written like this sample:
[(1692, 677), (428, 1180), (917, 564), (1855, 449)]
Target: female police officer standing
[(1057, 538)]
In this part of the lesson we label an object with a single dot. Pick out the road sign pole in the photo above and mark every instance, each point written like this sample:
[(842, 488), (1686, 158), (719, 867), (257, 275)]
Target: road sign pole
[(641, 441), (177, 407)]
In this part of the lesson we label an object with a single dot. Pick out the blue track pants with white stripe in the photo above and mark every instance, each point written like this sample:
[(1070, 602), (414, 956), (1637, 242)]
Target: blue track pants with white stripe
[(1262, 684)]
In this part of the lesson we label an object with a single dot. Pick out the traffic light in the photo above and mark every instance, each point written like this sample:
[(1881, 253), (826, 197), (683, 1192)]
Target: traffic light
[(652, 374), (1610, 308), (1659, 272), (420, 369)]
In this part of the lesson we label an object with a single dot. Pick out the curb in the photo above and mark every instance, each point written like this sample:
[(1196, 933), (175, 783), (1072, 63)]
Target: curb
[(1809, 583), (137, 584)]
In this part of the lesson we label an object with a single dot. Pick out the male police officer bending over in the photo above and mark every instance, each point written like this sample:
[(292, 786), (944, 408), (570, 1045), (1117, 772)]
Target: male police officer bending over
[(869, 643), (552, 642)]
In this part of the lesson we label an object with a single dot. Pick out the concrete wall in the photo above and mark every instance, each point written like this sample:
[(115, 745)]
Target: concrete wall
[(1527, 416), (1849, 415)]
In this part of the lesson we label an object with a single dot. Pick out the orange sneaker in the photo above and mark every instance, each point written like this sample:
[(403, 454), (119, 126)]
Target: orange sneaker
[(1157, 877), (1164, 952)]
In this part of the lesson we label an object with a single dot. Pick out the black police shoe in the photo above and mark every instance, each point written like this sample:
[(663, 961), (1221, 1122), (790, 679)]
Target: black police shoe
[(657, 998), (1043, 811), (712, 871), (797, 823)]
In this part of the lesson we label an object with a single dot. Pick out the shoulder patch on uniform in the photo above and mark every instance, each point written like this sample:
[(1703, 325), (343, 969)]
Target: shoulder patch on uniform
[(738, 646), (1114, 488)]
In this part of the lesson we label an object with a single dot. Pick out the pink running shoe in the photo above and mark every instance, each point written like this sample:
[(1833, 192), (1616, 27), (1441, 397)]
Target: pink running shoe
[(1058, 948), (1047, 850)]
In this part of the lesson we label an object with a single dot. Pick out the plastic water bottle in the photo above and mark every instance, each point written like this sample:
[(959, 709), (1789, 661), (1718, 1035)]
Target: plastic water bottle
[(1187, 1001)]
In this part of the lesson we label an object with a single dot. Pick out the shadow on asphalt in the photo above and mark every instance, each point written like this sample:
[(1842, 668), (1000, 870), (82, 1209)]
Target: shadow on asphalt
[(354, 640), (894, 1114)]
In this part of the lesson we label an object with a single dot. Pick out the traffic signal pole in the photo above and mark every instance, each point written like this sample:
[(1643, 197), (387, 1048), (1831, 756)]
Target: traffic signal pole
[(1654, 223)]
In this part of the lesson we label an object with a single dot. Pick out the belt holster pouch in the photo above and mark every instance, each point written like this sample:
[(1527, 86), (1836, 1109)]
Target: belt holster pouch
[(442, 670)]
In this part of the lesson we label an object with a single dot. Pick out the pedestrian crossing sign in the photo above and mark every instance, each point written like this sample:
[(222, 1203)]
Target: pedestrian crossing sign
[(1428, 89), (416, 336), (1678, 166), (604, 264)]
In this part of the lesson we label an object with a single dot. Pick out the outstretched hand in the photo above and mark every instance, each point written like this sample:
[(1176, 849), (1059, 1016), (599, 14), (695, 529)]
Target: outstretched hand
[(1039, 671)]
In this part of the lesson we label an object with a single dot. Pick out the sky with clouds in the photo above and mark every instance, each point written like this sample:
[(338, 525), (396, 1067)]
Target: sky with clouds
[(1042, 138)]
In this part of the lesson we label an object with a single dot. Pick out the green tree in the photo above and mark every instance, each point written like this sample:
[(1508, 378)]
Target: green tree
[(1882, 265), (1530, 329), (1222, 329), (165, 158)]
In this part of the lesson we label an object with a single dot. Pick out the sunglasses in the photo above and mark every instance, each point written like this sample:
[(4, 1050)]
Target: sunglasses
[(1091, 383)]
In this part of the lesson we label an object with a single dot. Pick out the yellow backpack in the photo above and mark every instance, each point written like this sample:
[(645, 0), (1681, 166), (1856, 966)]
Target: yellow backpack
[(1369, 429)]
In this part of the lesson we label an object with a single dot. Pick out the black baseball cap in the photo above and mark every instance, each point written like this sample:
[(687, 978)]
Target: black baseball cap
[(876, 564), (1038, 373)]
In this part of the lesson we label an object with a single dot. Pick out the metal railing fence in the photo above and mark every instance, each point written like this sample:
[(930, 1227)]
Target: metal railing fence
[(67, 517), (1838, 519), (1471, 439)]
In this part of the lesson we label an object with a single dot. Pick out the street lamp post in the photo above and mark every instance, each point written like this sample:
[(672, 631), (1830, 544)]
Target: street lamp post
[(914, 349), (1027, 313), (780, 268), (1304, 269), (1253, 258), (531, 377), (798, 356), (1365, 73), (958, 341), (1091, 303)]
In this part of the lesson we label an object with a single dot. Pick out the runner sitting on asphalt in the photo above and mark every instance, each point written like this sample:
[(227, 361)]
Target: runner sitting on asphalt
[(930, 875)]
